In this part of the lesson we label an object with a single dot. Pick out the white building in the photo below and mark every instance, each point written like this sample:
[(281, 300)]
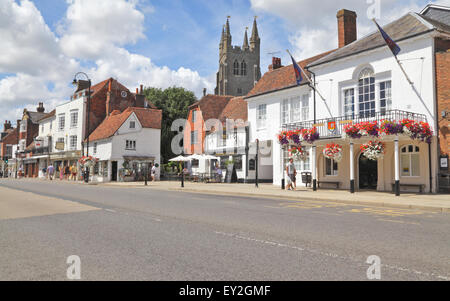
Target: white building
[(360, 81), (126, 144)]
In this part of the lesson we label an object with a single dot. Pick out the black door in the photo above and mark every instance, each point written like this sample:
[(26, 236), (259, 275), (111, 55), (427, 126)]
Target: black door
[(368, 173), (114, 171)]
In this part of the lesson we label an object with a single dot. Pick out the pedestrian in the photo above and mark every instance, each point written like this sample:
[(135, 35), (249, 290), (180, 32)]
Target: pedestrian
[(219, 173), (44, 172), (291, 173), (61, 172), (73, 172), (154, 172), (67, 172), (50, 170)]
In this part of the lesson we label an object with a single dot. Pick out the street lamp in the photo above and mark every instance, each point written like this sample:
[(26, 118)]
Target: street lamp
[(78, 83)]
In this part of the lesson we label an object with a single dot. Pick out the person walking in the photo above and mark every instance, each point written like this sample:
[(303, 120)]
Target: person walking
[(61, 172), (154, 172), (291, 173), (50, 170), (73, 172)]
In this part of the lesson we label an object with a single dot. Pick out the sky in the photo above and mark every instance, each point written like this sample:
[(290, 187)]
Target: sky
[(157, 43)]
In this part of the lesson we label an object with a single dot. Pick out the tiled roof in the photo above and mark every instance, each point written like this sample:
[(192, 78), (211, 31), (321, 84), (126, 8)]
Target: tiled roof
[(281, 78), (149, 118), (12, 137), (35, 116), (211, 105), (403, 28), (236, 109), (48, 115)]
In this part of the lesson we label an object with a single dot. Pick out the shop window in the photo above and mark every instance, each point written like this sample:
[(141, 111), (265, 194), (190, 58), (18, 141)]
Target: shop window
[(331, 167), (252, 164), (410, 161), (237, 162), (195, 163)]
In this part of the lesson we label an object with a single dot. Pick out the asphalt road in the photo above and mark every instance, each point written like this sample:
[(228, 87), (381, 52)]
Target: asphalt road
[(147, 234)]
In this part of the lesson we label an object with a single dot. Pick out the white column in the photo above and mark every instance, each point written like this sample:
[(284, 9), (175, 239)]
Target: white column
[(397, 167), (314, 167), (352, 169)]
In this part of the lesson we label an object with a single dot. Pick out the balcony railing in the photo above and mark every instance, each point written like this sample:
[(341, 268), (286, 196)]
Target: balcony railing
[(333, 127)]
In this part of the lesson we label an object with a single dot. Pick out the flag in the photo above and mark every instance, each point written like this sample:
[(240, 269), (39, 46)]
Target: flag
[(392, 45), (297, 70)]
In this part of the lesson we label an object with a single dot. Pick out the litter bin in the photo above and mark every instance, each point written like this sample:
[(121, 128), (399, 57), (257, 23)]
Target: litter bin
[(306, 178)]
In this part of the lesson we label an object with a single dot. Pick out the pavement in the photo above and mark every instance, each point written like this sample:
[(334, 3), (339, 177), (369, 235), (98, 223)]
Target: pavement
[(128, 233), (432, 202)]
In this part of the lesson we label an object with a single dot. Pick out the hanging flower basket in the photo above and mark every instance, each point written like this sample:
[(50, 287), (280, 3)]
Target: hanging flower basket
[(309, 135), (293, 136), (283, 139), (351, 131), (368, 128), (417, 130), (333, 151), (298, 153), (87, 161), (373, 150)]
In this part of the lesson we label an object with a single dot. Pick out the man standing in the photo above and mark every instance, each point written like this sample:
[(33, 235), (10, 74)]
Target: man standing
[(291, 173), (50, 170), (154, 172)]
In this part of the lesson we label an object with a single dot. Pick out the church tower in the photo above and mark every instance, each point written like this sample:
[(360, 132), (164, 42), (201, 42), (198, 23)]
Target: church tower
[(239, 66)]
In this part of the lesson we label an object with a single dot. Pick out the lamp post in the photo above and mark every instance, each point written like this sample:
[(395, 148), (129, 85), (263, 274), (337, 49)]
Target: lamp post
[(78, 82)]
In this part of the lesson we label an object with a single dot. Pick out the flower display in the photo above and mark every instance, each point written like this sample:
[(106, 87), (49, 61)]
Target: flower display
[(309, 135), (298, 153), (333, 151), (373, 150), (415, 130), (351, 131), (293, 136), (282, 138), (87, 161)]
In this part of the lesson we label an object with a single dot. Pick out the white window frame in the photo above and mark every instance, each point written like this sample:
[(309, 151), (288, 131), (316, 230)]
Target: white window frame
[(261, 116), (334, 172), (130, 145), (296, 112), (73, 121), (409, 157), (305, 107), (73, 140), (61, 122), (387, 95), (348, 104), (285, 111), (132, 124)]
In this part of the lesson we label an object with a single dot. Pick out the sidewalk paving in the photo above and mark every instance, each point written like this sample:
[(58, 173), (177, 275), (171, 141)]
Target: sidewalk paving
[(432, 202)]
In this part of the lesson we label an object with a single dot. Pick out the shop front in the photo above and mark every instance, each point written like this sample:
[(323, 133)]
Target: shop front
[(391, 152)]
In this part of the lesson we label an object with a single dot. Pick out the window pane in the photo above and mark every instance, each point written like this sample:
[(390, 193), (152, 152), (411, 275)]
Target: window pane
[(415, 165), (405, 165), (328, 167)]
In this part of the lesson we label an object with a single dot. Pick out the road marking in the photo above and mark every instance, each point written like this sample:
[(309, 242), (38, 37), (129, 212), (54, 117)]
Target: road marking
[(356, 261), (398, 221), (385, 212), (110, 210)]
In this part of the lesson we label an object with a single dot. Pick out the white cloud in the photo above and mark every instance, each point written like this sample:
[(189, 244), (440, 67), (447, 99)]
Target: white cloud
[(92, 32)]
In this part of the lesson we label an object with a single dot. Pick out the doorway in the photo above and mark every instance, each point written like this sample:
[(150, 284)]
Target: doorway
[(114, 171), (368, 173)]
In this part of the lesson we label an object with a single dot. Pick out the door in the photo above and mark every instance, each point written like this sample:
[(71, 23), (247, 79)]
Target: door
[(114, 171), (368, 173)]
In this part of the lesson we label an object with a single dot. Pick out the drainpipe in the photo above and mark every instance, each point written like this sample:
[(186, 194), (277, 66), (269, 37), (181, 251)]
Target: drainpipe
[(429, 167)]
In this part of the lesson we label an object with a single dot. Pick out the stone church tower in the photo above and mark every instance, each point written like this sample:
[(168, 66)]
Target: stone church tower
[(239, 67)]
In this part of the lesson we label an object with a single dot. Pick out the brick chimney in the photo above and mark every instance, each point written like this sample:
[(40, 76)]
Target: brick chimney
[(40, 108), (204, 91), (6, 125), (276, 63), (347, 32)]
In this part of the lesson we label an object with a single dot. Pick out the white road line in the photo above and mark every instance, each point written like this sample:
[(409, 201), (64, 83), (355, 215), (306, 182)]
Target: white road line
[(332, 255)]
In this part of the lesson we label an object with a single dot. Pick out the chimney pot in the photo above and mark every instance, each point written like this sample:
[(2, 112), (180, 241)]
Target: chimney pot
[(40, 108), (347, 31), (204, 91), (276, 63)]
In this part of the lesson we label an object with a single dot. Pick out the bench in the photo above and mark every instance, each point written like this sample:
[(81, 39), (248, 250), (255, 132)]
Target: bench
[(420, 186), (329, 182)]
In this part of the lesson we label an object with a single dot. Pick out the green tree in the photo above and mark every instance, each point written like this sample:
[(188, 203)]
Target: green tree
[(174, 103)]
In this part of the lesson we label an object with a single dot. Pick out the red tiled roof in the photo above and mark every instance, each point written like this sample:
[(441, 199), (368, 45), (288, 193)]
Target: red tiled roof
[(211, 105), (149, 118), (236, 109), (282, 78), (12, 137)]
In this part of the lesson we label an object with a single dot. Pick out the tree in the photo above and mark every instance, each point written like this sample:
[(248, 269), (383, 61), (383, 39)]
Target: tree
[(174, 103)]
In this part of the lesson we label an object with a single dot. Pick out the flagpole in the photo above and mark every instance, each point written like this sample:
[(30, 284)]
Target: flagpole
[(406, 75), (313, 85)]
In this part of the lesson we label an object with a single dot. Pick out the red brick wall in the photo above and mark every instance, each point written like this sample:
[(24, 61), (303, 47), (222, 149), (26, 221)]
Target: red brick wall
[(443, 92), (347, 32)]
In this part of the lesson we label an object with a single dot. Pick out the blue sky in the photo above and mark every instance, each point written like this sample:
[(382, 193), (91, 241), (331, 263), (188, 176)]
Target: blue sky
[(158, 43)]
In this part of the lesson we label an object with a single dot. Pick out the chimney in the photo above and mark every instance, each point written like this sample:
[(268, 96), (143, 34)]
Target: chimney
[(142, 89), (276, 63), (204, 91), (137, 91), (346, 27), (40, 108), (18, 124), (6, 125)]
